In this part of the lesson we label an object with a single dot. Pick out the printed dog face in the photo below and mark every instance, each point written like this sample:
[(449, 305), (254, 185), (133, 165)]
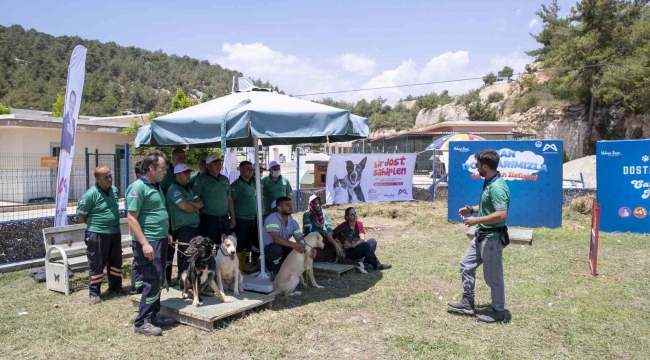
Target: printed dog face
[(355, 170)]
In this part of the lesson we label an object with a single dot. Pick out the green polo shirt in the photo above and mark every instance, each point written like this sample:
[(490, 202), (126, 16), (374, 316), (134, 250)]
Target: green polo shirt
[(193, 180), (244, 199), (177, 194), (214, 193), (147, 199), (495, 196), (100, 209), (272, 190), (168, 180)]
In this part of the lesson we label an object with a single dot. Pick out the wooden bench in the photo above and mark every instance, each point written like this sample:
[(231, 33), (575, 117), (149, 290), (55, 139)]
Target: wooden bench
[(65, 250), (517, 236)]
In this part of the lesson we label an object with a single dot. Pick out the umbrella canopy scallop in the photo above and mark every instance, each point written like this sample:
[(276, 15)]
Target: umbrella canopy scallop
[(442, 143)]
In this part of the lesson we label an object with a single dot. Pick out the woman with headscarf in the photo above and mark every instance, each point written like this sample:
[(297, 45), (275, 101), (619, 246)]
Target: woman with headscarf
[(318, 220)]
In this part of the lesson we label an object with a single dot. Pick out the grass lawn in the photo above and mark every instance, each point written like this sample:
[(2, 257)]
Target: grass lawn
[(396, 314)]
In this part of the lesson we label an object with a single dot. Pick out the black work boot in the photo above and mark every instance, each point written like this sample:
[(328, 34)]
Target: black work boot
[(464, 306), (161, 320), (148, 329), (492, 317)]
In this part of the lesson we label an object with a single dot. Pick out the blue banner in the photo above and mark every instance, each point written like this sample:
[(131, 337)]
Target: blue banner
[(532, 169), (623, 179)]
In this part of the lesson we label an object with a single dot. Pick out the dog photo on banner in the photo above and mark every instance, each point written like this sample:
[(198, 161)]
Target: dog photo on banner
[(361, 178)]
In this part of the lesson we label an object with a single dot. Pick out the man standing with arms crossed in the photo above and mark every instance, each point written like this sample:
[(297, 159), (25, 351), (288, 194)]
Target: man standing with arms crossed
[(214, 190), (149, 222), (98, 209), (490, 238), (184, 208)]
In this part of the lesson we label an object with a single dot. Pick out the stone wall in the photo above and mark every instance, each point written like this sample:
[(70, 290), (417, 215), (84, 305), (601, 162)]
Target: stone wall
[(24, 240)]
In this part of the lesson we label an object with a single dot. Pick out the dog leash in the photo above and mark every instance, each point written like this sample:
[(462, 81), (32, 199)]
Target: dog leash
[(176, 243), (180, 243)]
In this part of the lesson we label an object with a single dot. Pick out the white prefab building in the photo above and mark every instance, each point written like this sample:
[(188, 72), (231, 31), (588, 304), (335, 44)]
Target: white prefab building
[(28, 138)]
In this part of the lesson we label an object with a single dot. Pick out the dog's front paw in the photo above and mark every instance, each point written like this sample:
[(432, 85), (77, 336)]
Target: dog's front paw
[(227, 300), (236, 292), (319, 286), (195, 303), (184, 296)]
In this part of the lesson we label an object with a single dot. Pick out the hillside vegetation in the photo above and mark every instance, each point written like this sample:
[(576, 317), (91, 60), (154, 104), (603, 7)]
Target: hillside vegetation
[(33, 70)]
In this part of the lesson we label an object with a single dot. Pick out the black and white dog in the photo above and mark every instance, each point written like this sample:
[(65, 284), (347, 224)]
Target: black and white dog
[(201, 271), (353, 179)]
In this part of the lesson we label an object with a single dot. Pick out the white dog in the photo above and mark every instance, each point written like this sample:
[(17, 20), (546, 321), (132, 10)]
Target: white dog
[(228, 265), (293, 267)]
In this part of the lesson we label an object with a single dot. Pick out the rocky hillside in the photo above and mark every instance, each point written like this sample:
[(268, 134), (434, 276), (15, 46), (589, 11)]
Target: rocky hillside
[(526, 103)]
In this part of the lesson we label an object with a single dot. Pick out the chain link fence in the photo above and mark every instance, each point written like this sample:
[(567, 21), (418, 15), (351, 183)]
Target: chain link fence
[(28, 181)]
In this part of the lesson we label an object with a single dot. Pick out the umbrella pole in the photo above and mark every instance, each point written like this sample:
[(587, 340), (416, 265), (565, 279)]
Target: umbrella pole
[(258, 190)]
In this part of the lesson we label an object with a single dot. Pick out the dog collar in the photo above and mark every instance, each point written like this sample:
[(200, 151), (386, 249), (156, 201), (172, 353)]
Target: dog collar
[(303, 241), (221, 248)]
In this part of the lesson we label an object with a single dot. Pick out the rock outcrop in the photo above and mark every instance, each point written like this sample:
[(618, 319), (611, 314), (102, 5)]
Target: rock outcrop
[(449, 112)]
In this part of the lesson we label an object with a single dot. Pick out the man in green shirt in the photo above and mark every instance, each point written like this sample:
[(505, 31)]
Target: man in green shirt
[(244, 198), (489, 240), (178, 157), (98, 209), (214, 190), (149, 222), (136, 279), (274, 186), (203, 168), (184, 207)]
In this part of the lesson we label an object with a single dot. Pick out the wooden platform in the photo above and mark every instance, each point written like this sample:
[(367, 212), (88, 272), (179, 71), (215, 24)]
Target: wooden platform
[(212, 310), (330, 270), (517, 236)]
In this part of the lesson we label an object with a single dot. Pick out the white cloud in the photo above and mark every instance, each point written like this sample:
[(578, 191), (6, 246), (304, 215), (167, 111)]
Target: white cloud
[(447, 66), (517, 61), (533, 23), (290, 73), (297, 76), (356, 63)]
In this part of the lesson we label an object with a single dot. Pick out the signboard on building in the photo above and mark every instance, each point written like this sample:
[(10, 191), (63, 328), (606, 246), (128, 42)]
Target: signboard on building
[(623, 180), (532, 169), (360, 178), (49, 162)]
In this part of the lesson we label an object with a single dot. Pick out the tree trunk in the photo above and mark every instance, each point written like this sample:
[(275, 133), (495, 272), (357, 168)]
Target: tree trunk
[(587, 147)]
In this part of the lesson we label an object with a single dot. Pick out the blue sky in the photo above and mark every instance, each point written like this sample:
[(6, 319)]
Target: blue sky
[(303, 47)]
